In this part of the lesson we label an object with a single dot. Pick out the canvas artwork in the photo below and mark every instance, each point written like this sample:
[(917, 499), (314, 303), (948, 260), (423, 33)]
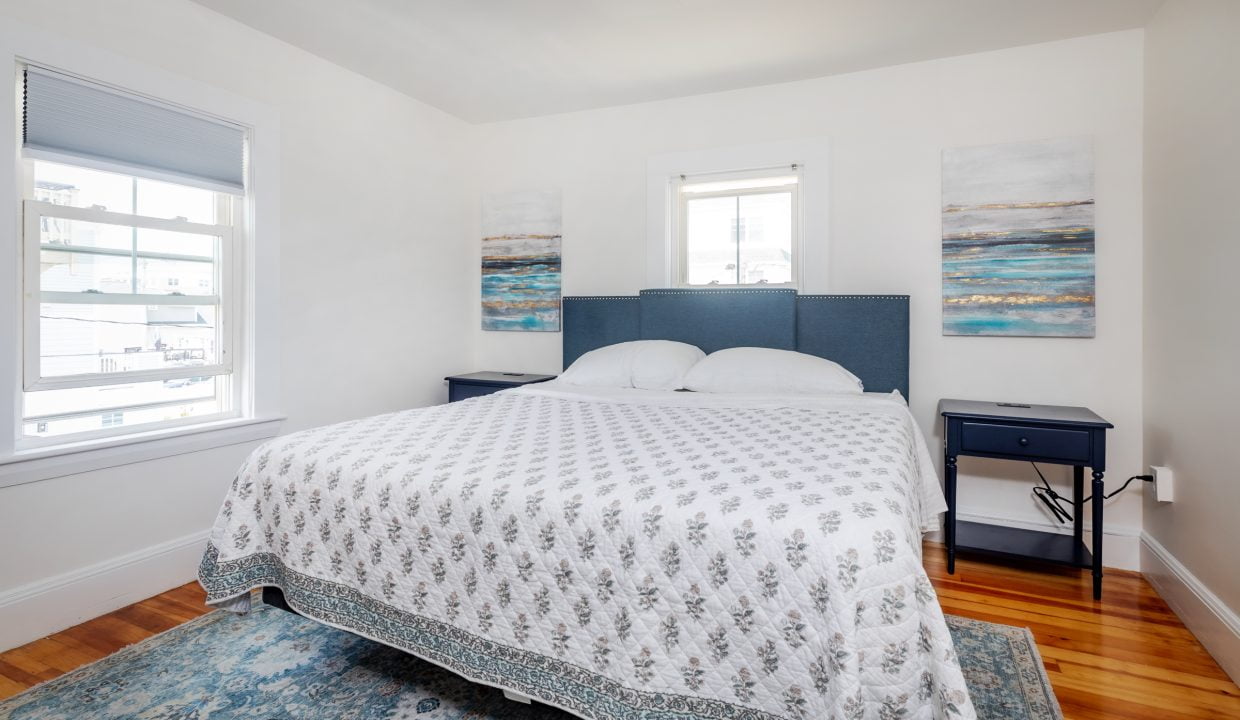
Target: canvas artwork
[(521, 261), (1018, 239)]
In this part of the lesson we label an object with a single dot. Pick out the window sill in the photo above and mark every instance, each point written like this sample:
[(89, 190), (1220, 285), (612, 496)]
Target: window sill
[(45, 463)]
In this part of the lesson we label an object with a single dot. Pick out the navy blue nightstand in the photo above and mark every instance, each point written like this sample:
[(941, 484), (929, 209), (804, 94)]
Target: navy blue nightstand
[(462, 387), (1052, 434)]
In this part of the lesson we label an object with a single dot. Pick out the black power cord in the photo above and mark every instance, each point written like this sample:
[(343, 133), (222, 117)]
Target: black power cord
[(1054, 501)]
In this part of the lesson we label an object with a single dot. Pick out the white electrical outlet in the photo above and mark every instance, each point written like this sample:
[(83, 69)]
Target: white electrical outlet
[(1164, 485)]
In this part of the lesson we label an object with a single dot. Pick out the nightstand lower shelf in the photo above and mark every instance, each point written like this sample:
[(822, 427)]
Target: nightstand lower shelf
[(1021, 543)]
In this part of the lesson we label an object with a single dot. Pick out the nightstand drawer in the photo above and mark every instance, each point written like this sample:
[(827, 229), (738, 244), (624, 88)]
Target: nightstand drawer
[(472, 385), (464, 391), (1033, 442)]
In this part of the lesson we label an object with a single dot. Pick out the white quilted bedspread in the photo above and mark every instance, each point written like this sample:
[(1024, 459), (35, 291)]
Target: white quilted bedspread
[(640, 554)]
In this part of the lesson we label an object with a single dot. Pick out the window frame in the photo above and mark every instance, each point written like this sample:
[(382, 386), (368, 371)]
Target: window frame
[(679, 213), (224, 374)]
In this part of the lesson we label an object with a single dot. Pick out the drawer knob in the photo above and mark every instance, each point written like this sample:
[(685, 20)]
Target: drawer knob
[(1023, 441)]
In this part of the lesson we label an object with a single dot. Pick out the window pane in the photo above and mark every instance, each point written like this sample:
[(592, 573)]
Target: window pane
[(127, 406), (86, 269), (710, 251), (78, 233), (165, 200), (170, 277), (80, 187), (174, 243), (44, 403), (79, 339), (79, 272), (765, 229)]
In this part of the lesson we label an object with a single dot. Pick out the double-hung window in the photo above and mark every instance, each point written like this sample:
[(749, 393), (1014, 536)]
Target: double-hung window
[(131, 234), (738, 229)]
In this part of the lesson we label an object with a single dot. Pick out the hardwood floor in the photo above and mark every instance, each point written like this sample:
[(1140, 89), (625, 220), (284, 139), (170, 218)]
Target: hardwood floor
[(1127, 657), (57, 654)]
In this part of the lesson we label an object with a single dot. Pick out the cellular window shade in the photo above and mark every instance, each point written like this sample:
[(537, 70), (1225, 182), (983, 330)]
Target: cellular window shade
[(67, 120)]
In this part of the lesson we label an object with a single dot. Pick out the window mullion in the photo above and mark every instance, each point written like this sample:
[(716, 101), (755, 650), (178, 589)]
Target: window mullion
[(115, 408), (738, 239), (133, 256), (131, 376), (107, 217), (60, 297), (114, 252)]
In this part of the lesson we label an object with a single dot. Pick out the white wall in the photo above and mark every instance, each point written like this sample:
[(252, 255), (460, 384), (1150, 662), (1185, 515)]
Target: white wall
[(885, 129), (1192, 342), (374, 312)]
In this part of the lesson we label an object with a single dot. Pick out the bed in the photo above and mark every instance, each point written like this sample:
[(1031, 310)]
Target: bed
[(627, 553)]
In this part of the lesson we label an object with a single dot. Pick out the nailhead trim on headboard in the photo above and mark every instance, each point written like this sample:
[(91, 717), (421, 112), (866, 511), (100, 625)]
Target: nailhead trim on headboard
[(737, 292), (852, 297), (799, 297), (754, 291)]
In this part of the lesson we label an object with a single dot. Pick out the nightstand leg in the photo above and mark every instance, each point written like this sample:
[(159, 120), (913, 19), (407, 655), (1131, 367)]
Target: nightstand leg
[(949, 527), (1097, 508), (1078, 507)]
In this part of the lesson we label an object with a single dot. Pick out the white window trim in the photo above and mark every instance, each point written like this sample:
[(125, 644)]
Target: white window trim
[(34, 465), (662, 231), (680, 199), (258, 346)]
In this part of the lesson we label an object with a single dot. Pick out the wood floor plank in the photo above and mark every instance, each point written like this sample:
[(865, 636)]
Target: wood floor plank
[(1199, 663), (9, 687), (1067, 613), (147, 618), (29, 661), (58, 655), (21, 671), (17, 674), (108, 631), (1103, 632), (1151, 691), (1087, 705), (1143, 610), (191, 595), (1172, 673), (172, 609)]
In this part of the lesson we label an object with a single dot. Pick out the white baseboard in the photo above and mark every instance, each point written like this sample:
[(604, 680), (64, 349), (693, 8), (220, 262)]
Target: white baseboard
[(1123, 544), (1215, 625), (32, 611)]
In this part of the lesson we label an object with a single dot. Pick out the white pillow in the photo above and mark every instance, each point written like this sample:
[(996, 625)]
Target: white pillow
[(763, 370), (648, 364)]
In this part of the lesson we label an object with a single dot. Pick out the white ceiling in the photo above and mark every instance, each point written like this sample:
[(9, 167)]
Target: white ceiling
[(485, 60)]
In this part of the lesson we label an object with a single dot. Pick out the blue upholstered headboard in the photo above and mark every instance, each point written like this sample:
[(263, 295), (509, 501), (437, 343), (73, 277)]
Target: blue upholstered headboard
[(868, 334)]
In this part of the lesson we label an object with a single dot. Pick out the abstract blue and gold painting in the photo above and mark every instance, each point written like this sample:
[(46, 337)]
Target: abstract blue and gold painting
[(1018, 239), (521, 261)]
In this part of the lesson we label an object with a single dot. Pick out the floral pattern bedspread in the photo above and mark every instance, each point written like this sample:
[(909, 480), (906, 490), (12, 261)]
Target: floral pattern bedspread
[(669, 555)]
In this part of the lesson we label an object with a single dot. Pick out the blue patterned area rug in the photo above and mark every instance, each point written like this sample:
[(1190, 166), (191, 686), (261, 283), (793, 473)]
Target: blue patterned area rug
[(273, 665)]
